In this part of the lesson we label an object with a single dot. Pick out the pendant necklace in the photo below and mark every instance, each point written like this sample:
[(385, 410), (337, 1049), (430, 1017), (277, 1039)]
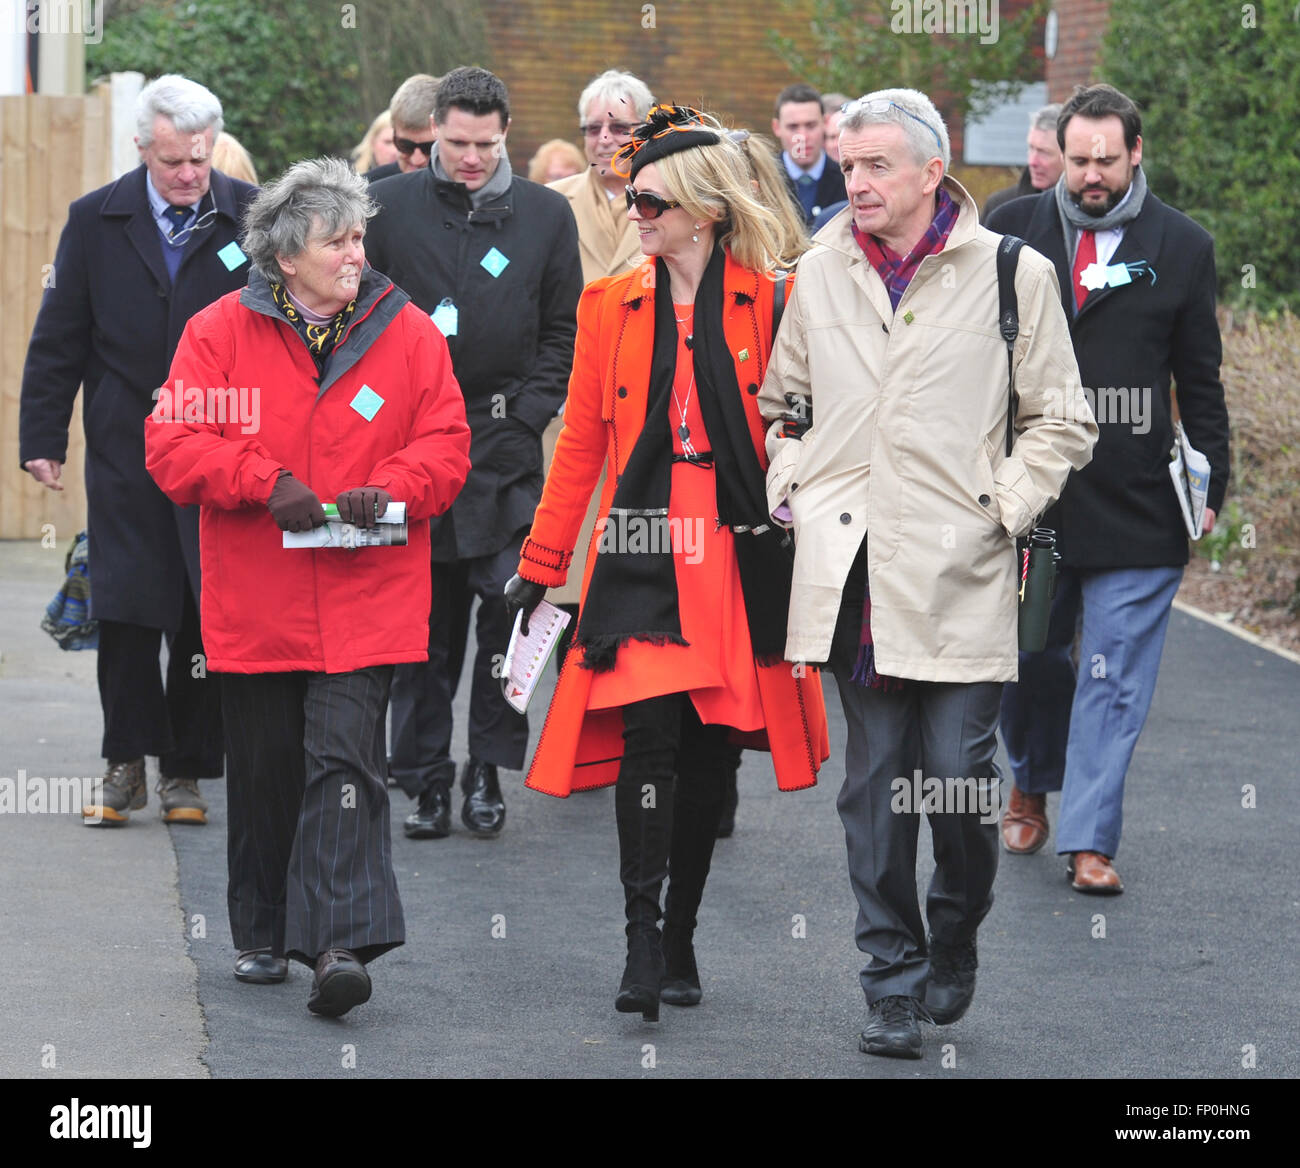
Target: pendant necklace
[(684, 431)]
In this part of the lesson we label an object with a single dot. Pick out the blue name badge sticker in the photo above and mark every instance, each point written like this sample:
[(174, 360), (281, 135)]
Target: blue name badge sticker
[(367, 402), (232, 255), (1117, 275), (444, 317), (494, 262)]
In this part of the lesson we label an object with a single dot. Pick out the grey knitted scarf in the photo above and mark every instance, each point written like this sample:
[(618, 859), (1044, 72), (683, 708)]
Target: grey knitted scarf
[(1074, 219)]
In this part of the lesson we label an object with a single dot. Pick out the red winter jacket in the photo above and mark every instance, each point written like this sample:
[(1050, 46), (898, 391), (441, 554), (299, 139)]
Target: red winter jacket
[(242, 402)]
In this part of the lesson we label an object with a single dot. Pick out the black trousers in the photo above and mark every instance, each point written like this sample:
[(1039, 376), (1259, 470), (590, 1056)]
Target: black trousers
[(309, 849), (180, 724), (423, 691)]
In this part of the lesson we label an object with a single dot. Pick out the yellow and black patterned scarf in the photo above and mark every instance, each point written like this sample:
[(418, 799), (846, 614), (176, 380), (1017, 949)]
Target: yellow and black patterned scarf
[(320, 339)]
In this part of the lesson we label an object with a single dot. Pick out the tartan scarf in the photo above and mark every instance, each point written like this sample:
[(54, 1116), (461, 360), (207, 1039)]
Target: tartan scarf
[(864, 668), (320, 339), (897, 271)]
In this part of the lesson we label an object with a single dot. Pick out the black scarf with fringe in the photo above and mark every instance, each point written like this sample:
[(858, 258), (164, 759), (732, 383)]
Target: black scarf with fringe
[(633, 590)]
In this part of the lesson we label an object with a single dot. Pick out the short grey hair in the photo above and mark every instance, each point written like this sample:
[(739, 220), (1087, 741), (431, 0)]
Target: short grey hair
[(922, 124), (833, 101), (315, 198), (614, 85), (1046, 118), (189, 106)]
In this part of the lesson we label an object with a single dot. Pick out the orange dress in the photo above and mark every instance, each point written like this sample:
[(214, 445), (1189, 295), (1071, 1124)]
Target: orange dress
[(716, 666), (580, 746)]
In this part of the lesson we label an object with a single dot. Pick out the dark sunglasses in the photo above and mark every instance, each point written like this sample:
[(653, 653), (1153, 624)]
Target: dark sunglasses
[(616, 129), (648, 206), (406, 146)]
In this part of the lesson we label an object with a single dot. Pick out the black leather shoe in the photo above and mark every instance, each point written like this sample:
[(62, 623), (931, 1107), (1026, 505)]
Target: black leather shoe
[(258, 967), (341, 982), (892, 1029), (484, 812), (952, 980), (431, 818), (681, 985)]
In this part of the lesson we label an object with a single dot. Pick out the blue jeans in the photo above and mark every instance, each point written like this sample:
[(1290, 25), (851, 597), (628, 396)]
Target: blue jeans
[(1075, 731)]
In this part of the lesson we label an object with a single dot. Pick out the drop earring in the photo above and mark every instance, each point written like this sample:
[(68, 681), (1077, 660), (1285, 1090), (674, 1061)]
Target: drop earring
[(696, 237)]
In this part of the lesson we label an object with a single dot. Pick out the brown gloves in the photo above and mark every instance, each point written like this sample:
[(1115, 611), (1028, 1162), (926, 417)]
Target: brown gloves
[(293, 505)]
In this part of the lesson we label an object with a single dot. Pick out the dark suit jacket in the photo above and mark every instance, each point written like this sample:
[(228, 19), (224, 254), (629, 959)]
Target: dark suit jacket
[(513, 347), (111, 319), (1120, 511), (830, 189), (375, 173), (1024, 186)]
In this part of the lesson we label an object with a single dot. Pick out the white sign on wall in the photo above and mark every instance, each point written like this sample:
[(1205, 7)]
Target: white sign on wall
[(999, 138)]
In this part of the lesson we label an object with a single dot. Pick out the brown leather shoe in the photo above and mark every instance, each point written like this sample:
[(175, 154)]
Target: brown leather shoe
[(1024, 826), (1092, 872)]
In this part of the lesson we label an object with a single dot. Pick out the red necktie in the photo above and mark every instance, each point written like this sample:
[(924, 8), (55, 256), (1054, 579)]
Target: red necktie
[(1085, 254)]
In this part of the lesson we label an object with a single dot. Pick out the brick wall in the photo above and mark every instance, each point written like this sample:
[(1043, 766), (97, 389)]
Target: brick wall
[(1081, 24), (712, 55), (709, 53)]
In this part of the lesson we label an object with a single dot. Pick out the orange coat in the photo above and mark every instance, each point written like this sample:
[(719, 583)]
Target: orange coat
[(579, 748)]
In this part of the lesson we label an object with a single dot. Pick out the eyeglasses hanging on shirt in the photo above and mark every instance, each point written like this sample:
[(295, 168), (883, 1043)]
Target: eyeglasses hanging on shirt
[(179, 236)]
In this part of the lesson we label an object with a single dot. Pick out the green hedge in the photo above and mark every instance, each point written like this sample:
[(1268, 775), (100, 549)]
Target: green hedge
[(1219, 88), (298, 78)]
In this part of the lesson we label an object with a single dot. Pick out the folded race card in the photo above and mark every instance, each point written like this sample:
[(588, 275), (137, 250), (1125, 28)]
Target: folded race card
[(1190, 470), (389, 531), (527, 655)]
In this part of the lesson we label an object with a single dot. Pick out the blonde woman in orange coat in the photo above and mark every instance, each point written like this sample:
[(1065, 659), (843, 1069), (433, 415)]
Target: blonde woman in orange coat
[(678, 650)]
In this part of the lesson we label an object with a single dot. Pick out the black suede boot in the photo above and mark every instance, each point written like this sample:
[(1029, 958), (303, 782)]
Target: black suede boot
[(643, 808), (681, 984), (706, 761), (730, 798)]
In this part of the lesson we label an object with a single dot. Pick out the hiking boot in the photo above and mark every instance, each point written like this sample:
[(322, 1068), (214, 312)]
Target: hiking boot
[(122, 790), (892, 1029), (181, 801)]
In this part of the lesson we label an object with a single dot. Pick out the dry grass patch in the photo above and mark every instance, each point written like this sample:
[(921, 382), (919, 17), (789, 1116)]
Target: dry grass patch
[(1248, 569)]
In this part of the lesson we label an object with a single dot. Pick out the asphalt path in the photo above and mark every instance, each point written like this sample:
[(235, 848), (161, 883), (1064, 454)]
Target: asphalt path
[(515, 946)]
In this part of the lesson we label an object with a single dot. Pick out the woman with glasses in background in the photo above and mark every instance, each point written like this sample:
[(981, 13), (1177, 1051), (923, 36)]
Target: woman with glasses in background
[(609, 109), (678, 651)]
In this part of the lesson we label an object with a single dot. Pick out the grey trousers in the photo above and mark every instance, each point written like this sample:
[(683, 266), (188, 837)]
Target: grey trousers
[(309, 849), (947, 732)]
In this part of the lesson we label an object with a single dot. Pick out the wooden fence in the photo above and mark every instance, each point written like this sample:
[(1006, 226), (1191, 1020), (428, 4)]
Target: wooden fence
[(52, 151)]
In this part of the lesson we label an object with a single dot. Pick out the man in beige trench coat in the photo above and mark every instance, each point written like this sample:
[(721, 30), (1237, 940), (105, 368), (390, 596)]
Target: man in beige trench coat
[(889, 462)]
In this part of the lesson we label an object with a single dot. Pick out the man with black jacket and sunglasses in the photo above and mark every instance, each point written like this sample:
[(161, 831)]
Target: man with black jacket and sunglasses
[(494, 260)]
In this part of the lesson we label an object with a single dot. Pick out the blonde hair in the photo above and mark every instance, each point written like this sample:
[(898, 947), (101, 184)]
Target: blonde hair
[(229, 157), (541, 161), (713, 182), (762, 153), (363, 153)]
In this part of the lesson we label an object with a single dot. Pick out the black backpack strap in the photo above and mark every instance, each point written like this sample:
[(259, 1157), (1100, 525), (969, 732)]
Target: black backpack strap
[(778, 303), (1009, 321)]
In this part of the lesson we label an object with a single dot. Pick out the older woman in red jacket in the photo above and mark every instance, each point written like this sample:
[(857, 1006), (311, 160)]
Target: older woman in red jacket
[(678, 650), (318, 382)]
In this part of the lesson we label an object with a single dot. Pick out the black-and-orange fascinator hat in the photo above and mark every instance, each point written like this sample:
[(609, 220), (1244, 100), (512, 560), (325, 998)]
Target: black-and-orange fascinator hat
[(666, 130)]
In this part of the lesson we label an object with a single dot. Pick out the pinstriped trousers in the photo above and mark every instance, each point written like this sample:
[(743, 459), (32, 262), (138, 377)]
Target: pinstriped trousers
[(309, 849)]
